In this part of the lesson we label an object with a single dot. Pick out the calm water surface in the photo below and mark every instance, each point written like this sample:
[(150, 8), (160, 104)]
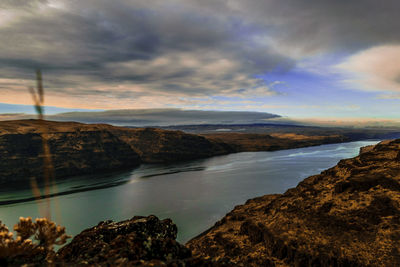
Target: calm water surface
[(194, 194)]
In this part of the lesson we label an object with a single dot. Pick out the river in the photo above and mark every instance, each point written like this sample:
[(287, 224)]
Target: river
[(193, 194)]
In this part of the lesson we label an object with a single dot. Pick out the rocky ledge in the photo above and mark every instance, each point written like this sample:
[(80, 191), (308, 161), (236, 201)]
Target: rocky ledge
[(140, 241), (348, 215)]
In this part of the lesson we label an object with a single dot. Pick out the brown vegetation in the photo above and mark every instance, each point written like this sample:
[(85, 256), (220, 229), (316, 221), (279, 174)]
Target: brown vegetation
[(348, 215), (24, 249)]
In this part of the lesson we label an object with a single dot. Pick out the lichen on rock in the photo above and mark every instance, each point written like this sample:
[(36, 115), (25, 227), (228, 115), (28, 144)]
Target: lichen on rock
[(140, 241)]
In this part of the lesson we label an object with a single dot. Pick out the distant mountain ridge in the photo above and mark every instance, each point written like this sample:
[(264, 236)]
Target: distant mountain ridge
[(156, 117), (163, 117), (180, 117)]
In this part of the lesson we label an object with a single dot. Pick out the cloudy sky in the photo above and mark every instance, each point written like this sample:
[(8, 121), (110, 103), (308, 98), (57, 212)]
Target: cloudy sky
[(296, 58)]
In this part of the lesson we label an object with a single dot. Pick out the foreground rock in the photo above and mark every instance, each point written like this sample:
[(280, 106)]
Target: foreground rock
[(348, 215), (140, 241)]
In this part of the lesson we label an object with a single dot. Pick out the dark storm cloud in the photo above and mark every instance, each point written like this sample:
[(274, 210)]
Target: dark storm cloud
[(81, 40), (183, 47), (324, 25)]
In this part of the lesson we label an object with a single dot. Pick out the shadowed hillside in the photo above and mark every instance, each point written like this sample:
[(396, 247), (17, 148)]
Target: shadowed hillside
[(85, 149)]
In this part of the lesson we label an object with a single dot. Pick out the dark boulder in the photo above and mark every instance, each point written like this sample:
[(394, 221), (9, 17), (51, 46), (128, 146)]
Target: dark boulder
[(140, 241)]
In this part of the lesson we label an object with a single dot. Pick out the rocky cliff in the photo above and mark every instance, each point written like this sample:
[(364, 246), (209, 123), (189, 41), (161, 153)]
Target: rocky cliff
[(75, 149), (348, 215), (161, 146), (78, 148), (140, 241)]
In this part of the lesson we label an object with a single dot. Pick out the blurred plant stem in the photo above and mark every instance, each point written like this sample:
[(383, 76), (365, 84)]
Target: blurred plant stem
[(48, 169)]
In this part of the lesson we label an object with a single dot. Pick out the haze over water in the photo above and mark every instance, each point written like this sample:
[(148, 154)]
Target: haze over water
[(193, 194)]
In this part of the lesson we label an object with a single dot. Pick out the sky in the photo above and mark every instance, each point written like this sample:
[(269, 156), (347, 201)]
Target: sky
[(296, 58)]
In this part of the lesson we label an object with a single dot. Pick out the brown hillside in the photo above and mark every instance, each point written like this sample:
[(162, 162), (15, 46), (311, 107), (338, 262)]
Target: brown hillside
[(348, 215)]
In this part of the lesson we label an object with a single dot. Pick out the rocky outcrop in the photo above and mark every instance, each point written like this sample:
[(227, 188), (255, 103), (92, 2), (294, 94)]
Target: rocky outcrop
[(140, 241), (348, 215)]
